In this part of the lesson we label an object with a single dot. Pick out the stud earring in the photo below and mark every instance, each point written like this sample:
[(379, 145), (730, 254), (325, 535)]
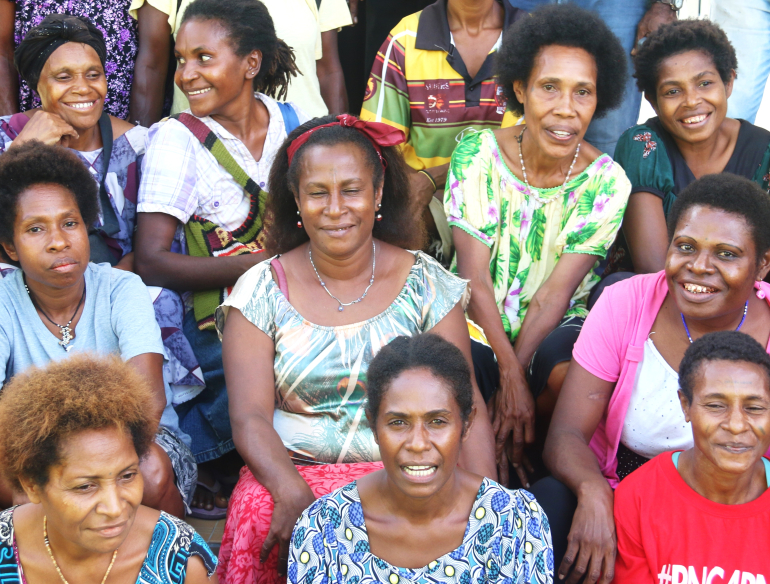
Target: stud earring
[(299, 221), (378, 217)]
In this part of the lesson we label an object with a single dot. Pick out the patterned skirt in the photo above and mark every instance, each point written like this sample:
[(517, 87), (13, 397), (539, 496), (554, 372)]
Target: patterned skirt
[(249, 515)]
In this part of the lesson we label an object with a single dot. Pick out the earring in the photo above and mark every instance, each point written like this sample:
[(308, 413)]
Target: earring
[(761, 294), (299, 221), (378, 217)]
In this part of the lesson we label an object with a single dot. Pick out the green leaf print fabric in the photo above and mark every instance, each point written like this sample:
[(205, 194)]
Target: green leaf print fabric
[(526, 238)]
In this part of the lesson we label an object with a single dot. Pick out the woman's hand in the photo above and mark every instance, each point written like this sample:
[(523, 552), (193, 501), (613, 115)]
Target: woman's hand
[(591, 543), (47, 128), (513, 412), (289, 505)]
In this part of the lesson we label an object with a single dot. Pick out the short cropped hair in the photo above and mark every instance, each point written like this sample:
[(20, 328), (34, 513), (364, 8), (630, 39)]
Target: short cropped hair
[(564, 25), (425, 351), (35, 163), (720, 346), (732, 194), (42, 407), (678, 37)]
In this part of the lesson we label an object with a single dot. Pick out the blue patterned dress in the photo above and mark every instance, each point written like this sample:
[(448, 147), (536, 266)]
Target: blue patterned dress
[(172, 544), (507, 541)]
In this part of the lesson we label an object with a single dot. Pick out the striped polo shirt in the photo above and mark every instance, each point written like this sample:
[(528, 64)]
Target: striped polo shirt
[(420, 84)]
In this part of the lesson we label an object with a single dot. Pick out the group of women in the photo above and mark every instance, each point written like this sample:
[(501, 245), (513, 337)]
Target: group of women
[(288, 305)]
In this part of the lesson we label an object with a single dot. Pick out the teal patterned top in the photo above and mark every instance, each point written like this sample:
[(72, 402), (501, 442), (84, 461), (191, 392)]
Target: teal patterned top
[(527, 237), (507, 541), (320, 371)]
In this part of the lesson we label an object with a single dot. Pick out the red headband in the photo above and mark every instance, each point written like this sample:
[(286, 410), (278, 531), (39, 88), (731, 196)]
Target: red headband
[(377, 133)]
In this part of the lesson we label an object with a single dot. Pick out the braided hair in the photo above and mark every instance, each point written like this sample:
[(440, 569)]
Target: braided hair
[(250, 28)]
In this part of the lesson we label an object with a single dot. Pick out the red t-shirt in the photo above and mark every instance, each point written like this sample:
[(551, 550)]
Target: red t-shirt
[(669, 534)]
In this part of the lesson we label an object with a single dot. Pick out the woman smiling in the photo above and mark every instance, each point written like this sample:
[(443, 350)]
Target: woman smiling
[(618, 407), (300, 331), (722, 480), (202, 198), (534, 207), (422, 518), (686, 71)]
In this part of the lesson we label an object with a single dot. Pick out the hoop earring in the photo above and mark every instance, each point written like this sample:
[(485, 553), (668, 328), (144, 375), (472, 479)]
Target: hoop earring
[(299, 221)]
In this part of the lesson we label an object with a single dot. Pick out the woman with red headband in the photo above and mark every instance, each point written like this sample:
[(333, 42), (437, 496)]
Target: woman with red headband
[(302, 328)]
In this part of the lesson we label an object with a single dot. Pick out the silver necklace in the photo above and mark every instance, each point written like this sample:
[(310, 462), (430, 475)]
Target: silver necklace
[(340, 302), (66, 331), (534, 194)]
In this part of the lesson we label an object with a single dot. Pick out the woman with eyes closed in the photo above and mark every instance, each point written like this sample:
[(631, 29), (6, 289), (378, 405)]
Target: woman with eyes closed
[(619, 406), (686, 71), (299, 331), (422, 518), (79, 465), (202, 197)]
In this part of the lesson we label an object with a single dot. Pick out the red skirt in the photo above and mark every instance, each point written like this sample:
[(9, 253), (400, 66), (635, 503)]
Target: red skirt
[(248, 520)]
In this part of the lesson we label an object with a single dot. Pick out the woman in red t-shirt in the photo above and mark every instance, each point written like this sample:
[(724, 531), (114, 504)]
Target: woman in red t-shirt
[(703, 515)]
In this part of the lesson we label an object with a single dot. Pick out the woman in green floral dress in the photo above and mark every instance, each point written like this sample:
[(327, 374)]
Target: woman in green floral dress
[(533, 208)]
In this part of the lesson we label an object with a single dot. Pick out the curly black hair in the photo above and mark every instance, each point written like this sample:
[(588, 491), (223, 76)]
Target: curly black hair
[(251, 28), (425, 351), (90, 393), (720, 346), (678, 37), (563, 25), (34, 163), (732, 194), (398, 227)]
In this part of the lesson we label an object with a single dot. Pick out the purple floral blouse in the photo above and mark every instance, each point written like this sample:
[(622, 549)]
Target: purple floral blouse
[(120, 34)]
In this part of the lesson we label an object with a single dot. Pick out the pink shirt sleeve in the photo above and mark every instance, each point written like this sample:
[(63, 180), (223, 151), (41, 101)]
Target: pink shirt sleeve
[(598, 348)]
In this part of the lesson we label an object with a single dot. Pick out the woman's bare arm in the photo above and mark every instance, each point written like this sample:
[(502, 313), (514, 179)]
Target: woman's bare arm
[(248, 355), (147, 90), (644, 226), (592, 541), (158, 266)]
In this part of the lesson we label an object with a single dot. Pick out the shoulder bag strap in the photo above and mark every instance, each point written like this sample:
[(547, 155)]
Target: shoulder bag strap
[(290, 119), (214, 145), (110, 226)]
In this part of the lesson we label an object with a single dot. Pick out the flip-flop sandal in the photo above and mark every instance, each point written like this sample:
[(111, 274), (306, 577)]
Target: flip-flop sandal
[(212, 514)]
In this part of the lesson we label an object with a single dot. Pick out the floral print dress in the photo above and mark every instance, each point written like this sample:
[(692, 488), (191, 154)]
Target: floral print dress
[(527, 237), (120, 34), (507, 540)]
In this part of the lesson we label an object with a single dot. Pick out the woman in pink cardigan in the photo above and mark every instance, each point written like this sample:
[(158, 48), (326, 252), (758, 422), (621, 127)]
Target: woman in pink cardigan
[(619, 406)]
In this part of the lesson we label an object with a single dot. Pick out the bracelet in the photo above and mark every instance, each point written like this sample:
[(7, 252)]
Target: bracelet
[(430, 178)]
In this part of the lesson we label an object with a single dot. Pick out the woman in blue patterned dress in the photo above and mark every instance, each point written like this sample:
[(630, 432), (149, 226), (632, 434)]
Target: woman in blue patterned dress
[(422, 519), (78, 464)]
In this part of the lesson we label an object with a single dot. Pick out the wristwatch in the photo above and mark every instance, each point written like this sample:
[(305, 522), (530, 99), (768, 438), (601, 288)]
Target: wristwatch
[(674, 4)]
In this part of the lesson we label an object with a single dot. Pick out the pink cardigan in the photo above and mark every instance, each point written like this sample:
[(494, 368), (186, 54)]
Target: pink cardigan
[(611, 345)]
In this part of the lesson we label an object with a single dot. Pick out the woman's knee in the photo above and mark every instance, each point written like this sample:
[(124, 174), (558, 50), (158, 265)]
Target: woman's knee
[(158, 474)]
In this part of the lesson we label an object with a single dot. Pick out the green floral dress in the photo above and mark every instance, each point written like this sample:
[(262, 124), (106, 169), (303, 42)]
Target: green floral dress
[(487, 201)]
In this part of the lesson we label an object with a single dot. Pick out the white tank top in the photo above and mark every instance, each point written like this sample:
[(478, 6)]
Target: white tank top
[(654, 421)]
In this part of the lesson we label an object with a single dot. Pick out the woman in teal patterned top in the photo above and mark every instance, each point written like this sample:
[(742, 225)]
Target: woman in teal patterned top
[(421, 520), (300, 330), (533, 209), (78, 464), (686, 70)]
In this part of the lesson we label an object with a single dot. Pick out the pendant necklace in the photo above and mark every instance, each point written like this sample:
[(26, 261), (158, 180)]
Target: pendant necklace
[(340, 302), (535, 194), (745, 311), (55, 563), (66, 331)]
